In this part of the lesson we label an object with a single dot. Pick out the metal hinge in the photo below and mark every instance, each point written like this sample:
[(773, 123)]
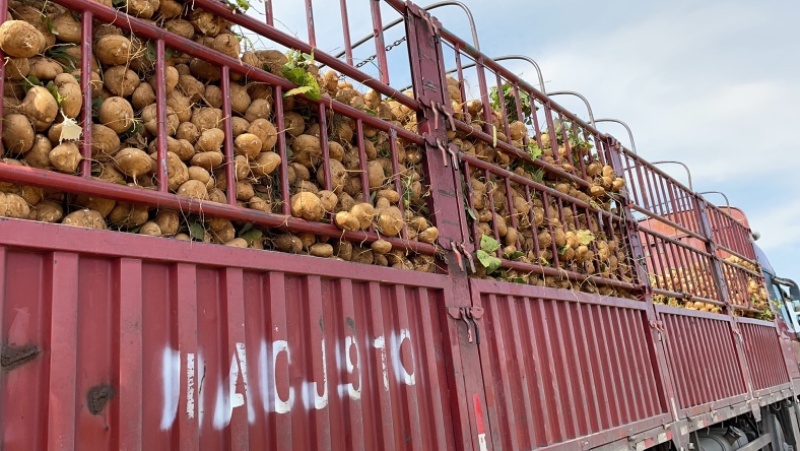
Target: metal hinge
[(468, 315)]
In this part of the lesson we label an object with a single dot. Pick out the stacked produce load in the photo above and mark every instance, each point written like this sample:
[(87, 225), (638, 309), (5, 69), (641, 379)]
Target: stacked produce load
[(340, 172), (564, 214)]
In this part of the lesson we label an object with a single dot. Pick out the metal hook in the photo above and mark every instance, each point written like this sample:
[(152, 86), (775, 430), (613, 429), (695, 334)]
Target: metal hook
[(427, 8), (727, 202), (630, 133), (580, 96), (688, 172)]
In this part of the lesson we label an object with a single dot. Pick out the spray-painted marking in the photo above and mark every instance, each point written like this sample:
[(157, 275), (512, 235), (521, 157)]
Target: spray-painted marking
[(233, 387)]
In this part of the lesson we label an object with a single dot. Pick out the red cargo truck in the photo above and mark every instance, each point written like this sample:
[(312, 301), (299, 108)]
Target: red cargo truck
[(500, 293)]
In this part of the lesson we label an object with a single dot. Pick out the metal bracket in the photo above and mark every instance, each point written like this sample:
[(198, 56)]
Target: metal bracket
[(470, 260), (457, 253), (469, 315)]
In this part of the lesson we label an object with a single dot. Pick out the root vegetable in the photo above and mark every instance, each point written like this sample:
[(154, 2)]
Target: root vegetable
[(265, 131), (193, 189), (390, 221), (143, 95), (133, 162), (89, 219), (347, 221), (248, 144), (429, 235), (121, 81), (364, 213), (210, 140), (168, 222), (66, 157), (321, 250), (258, 109), (128, 215), (307, 206), (338, 176), (39, 106), (288, 243), (265, 163), (381, 247), (113, 50), (117, 114), (208, 160), (307, 150), (19, 39), (150, 228), (18, 134), (44, 69), (237, 242), (328, 199), (47, 211)]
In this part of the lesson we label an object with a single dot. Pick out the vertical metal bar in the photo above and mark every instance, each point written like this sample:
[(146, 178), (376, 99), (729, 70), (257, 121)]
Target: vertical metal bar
[(348, 46), (128, 278), (553, 248), (268, 14), (619, 361), (559, 407), (362, 159), (542, 391), (495, 229), (161, 111), (429, 336), (460, 71), (63, 340), (501, 372), (86, 90), (396, 177), (583, 353), (570, 310), (521, 367), (610, 363), (501, 95), (323, 139), (3, 17), (230, 170), (605, 418), (468, 181), (380, 45), (312, 34), (184, 302), (284, 179)]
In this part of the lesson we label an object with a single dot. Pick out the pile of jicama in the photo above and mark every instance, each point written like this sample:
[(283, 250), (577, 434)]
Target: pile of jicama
[(43, 128), (531, 230), (698, 282)]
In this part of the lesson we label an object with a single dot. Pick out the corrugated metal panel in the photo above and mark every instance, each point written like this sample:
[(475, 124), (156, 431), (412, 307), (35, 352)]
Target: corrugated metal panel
[(768, 369), (107, 352), (555, 370), (702, 356)]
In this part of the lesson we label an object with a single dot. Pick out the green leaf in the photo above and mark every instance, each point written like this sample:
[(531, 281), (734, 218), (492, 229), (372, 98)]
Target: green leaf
[(251, 235), (245, 228), (561, 250), (471, 213), (489, 244), (298, 90), (488, 261), (585, 236), (516, 255), (534, 151), (196, 231)]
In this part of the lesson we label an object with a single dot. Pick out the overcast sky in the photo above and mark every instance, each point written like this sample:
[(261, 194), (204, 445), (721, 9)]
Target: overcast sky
[(715, 84)]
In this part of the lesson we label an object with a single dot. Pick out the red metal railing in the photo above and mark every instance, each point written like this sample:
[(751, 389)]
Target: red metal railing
[(158, 195)]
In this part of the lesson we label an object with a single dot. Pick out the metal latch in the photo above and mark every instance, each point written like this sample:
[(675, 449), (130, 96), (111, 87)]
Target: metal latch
[(469, 315)]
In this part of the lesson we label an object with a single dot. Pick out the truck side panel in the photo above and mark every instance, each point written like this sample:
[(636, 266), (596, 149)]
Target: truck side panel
[(111, 349)]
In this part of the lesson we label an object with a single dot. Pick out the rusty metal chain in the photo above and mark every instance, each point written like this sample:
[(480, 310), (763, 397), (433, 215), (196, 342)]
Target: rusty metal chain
[(388, 49)]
